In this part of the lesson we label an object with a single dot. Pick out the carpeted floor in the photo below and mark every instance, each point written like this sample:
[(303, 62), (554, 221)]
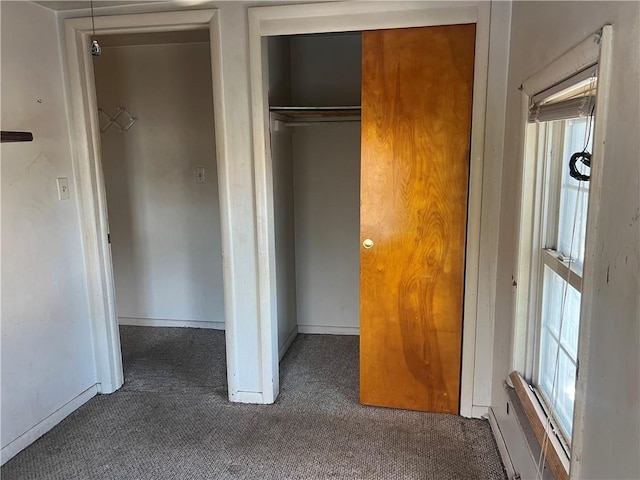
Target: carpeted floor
[(172, 420)]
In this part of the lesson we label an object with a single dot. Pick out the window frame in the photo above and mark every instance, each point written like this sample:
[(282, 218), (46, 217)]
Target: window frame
[(595, 49)]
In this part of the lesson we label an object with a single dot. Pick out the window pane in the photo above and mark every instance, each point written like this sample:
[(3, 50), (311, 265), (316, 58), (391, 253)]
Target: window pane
[(552, 291), (556, 291), (571, 322), (548, 350), (566, 393), (560, 311), (563, 374), (574, 195)]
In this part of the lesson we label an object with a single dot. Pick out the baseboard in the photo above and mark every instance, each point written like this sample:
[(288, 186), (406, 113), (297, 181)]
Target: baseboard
[(23, 441), (246, 397), (502, 446), (328, 330), (287, 343), (517, 435), (162, 322), (479, 411)]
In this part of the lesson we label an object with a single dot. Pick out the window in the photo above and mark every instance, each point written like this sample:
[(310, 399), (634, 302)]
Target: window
[(554, 277), (562, 253), (555, 220)]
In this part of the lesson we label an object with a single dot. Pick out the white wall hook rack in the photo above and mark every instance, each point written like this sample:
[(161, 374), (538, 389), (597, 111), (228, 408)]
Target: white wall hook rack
[(109, 120)]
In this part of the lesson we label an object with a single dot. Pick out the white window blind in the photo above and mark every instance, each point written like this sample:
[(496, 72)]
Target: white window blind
[(573, 97)]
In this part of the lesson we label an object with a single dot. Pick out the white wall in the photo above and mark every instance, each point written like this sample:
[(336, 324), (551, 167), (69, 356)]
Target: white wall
[(165, 227), (327, 219), (279, 52), (283, 201), (282, 156), (608, 440), (46, 343)]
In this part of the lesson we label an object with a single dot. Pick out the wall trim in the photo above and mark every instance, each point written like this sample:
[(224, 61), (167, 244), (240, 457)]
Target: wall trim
[(167, 322), (247, 397), (34, 433), (328, 330), (287, 343), (479, 411), (480, 289), (502, 446), (357, 16), (605, 60)]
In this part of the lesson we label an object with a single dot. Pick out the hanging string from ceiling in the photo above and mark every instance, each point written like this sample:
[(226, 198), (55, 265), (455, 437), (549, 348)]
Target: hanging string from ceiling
[(96, 51)]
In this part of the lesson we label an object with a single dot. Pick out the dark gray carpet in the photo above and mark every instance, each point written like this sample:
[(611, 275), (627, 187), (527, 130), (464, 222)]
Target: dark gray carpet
[(172, 420), (173, 360)]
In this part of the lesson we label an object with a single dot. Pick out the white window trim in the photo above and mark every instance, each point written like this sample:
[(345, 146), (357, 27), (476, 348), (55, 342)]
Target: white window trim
[(569, 272), (597, 48)]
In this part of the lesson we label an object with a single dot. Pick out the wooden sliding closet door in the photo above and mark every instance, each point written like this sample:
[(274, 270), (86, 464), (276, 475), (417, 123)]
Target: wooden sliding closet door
[(416, 123)]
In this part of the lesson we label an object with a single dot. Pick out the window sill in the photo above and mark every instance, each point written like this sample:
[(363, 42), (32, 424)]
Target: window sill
[(556, 457)]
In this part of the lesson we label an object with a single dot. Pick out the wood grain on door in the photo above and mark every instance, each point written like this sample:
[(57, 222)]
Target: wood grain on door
[(417, 88)]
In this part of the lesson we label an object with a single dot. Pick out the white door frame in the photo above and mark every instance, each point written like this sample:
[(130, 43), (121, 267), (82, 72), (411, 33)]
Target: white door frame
[(89, 180), (358, 16)]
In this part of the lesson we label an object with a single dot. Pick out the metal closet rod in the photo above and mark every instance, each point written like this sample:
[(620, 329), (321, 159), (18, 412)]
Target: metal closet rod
[(316, 122), (316, 109)]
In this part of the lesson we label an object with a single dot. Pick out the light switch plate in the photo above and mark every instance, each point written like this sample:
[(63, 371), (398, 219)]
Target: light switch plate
[(200, 175), (63, 188)]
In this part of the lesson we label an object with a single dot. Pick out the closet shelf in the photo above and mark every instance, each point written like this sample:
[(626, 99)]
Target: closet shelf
[(300, 115)]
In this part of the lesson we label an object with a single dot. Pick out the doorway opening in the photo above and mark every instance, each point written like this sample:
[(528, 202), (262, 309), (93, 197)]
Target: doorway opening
[(158, 159)]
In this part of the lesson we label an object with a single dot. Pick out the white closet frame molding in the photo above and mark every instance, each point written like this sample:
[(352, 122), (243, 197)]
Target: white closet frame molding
[(89, 178), (481, 250)]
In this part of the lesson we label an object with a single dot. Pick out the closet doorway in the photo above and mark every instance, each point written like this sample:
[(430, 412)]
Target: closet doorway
[(316, 182), (266, 22), (158, 159), (374, 240)]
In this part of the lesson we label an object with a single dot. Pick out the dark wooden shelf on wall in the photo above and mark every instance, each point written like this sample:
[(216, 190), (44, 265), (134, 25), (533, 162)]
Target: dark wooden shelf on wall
[(16, 136)]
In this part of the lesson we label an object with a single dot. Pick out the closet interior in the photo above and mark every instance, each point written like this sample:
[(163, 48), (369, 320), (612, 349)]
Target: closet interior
[(314, 110)]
